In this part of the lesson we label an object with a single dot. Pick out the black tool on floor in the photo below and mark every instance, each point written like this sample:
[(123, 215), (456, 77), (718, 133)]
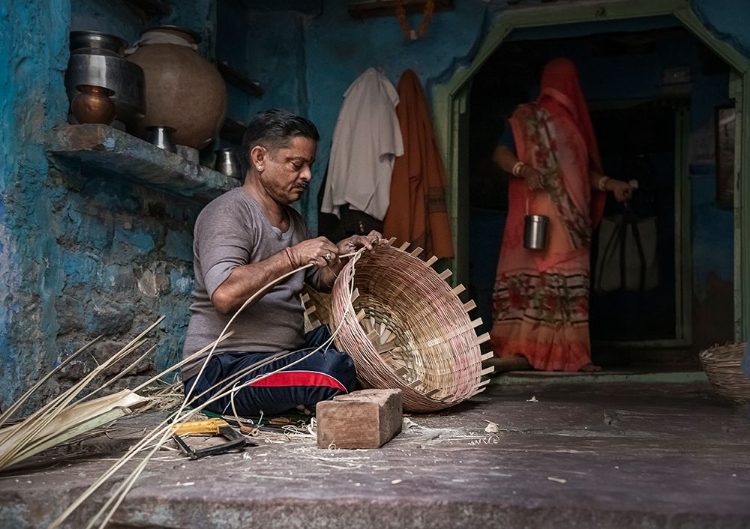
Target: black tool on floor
[(235, 440)]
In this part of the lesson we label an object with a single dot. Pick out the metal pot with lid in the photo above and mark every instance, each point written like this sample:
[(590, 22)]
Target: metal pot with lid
[(96, 42), (97, 59)]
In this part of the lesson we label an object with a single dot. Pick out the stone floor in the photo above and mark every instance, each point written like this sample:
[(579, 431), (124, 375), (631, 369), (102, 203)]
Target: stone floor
[(586, 455)]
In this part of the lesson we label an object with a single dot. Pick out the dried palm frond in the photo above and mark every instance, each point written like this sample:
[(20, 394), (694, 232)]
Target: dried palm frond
[(39, 429), (17, 404), (74, 420)]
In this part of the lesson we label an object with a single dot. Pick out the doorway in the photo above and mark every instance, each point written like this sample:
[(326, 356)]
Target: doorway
[(452, 112), (642, 122)]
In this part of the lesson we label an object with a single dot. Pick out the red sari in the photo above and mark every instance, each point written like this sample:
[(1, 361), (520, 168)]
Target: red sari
[(540, 299)]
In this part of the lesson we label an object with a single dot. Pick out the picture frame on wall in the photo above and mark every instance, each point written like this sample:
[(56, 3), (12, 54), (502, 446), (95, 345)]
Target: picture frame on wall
[(725, 127)]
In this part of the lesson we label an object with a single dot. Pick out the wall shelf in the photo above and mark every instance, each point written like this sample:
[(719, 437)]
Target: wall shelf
[(102, 151)]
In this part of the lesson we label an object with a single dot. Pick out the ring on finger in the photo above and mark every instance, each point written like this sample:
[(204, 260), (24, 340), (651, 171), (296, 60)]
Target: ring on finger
[(327, 257)]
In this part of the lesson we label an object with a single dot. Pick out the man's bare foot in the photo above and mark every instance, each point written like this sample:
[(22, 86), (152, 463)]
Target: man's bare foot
[(589, 368)]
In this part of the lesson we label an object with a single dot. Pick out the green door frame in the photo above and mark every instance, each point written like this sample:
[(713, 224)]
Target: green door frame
[(451, 111)]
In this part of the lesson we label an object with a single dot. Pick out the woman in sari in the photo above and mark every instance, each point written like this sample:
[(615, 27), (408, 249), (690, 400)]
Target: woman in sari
[(540, 299)]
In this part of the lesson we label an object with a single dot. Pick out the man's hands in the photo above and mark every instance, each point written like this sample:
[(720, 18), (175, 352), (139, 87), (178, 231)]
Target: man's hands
[(355, 242), (319, 251), (324, 253)]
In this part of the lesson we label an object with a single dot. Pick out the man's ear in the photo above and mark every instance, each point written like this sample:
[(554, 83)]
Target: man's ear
[(258, 155)]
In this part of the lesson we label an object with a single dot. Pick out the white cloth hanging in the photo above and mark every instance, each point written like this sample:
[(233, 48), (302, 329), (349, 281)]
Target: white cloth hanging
[(366, 140)]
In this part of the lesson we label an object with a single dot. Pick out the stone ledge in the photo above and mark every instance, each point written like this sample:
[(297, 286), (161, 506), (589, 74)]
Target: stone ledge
[(102, 151)]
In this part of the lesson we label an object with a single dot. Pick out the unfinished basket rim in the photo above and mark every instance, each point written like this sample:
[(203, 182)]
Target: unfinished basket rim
[(406, 328)]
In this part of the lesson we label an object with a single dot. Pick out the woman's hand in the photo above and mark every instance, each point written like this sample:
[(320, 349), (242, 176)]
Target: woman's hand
[(622, 190), (534, 179)]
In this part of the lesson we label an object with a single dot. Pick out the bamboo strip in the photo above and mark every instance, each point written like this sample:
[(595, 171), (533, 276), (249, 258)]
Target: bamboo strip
[(481, 339)]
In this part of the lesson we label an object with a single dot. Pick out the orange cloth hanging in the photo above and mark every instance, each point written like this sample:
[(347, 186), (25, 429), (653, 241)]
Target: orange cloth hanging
[(417, 212)]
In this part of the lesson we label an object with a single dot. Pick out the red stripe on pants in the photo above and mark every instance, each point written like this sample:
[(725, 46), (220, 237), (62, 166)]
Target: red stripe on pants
[(298, 378)]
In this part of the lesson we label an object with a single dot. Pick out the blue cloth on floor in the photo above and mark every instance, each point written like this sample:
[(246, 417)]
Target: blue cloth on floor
[(299, 379)]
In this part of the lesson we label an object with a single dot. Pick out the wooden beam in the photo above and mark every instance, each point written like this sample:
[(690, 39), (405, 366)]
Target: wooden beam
[(360, 9), (151, 7), (240, 80)]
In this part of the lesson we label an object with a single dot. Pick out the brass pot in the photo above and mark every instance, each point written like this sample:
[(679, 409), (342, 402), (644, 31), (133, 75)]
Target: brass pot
[(93, 104)]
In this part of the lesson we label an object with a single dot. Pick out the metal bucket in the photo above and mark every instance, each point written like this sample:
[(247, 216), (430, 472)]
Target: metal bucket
[(228, 163), (535, 232)]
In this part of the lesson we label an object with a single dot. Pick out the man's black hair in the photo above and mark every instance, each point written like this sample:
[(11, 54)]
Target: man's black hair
[(274, 129)]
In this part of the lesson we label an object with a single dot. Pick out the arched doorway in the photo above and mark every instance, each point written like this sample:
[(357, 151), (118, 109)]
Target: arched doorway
[(453, 111)]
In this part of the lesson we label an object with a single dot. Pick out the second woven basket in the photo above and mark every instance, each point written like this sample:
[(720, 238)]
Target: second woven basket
[(406, 328), (722, 364)]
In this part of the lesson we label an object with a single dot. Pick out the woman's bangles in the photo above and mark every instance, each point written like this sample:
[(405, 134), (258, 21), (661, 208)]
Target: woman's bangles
[(516, 171)]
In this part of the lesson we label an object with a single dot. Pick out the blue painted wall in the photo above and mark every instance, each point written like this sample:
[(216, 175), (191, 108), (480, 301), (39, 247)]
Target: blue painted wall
[(79, 257), (82, 257), (32, 99)]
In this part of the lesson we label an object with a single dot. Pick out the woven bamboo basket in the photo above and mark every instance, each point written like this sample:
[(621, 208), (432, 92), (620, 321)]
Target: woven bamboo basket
[(406, 328), (722, 366)]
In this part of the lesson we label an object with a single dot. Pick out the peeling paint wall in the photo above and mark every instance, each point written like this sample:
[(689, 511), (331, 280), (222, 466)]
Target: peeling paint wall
[(34, 56)]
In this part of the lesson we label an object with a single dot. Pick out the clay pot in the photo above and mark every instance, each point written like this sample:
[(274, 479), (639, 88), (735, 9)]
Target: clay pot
[(183, 90), (92, 104)]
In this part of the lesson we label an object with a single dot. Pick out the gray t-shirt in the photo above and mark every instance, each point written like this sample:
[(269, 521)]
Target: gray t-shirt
[(232, 231)]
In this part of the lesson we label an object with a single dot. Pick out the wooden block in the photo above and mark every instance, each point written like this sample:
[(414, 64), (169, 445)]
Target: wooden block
[(368, 418)]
